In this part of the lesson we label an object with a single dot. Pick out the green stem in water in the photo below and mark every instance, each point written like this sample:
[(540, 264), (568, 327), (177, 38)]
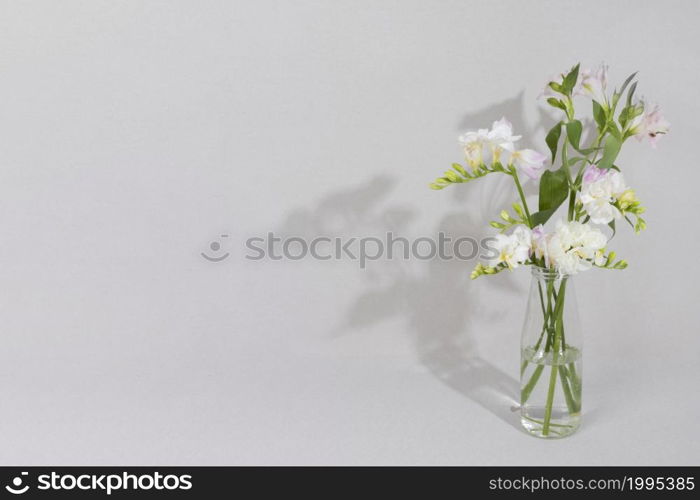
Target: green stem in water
[(527, 390), (544, 328), (540, 422), (534, 378), (550, 400), (570, 400), (558, 311), (575, 384)]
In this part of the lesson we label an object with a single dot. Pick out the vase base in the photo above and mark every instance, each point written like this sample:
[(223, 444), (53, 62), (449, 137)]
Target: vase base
[(561, 423)]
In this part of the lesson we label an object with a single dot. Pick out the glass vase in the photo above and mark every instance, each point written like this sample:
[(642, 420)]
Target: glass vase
[(550, 368)]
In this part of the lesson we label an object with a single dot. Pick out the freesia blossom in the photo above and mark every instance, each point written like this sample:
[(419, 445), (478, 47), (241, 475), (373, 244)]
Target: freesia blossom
[(601, 211), (600, 189), (594, 83), (501, 136), (513, 249), (650, 124), (572, 247), (539, 242), (523, 236), (531, 162), (473, 145), (496, 140)]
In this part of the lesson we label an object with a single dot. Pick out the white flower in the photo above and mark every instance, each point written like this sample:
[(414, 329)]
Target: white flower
[(651, 124), (513, 249), (498, 139), (593, 83), (601, 211), (531, 162), (523, 236), (501, 135), (599, 190), (539, 242), (571, 248), (569, 262), (473, 145)]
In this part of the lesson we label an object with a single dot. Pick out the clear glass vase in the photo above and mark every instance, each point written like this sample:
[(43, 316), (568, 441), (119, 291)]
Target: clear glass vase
[(550, 368)]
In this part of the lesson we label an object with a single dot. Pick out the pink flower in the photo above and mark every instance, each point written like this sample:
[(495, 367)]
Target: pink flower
[(593, 83), (592, 174), (651, 124), (539, 243), (531, 162)]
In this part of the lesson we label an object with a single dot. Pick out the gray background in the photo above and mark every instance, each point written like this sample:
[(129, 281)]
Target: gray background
[(133, 134)]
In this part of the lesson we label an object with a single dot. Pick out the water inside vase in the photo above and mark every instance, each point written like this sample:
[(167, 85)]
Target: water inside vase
[(551, 376)]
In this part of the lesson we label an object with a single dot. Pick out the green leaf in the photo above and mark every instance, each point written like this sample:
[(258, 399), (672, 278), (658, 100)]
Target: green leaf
[(624, 116), (570, 80), (556, 103), (610, 152), (616, 94), (573, 130), (554, 188), (627, 82), (612, 226), (552, 139), (541, 217), (631, 93), (599, 115), (614, 130)]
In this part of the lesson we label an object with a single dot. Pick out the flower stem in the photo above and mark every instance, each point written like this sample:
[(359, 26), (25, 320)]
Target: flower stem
[(544, 328), (514, 173), (570, 401), (558, 320), (540, 422), (530, 385), (527, 390), (550, 400)]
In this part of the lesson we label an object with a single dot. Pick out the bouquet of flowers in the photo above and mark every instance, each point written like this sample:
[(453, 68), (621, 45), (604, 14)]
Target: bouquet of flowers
[(587, 182)]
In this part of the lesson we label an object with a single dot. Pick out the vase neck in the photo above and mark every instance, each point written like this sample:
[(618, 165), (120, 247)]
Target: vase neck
[(545, 274)]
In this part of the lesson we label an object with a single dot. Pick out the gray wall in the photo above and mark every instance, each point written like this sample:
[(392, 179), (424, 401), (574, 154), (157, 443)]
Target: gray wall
[(133, 134)]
